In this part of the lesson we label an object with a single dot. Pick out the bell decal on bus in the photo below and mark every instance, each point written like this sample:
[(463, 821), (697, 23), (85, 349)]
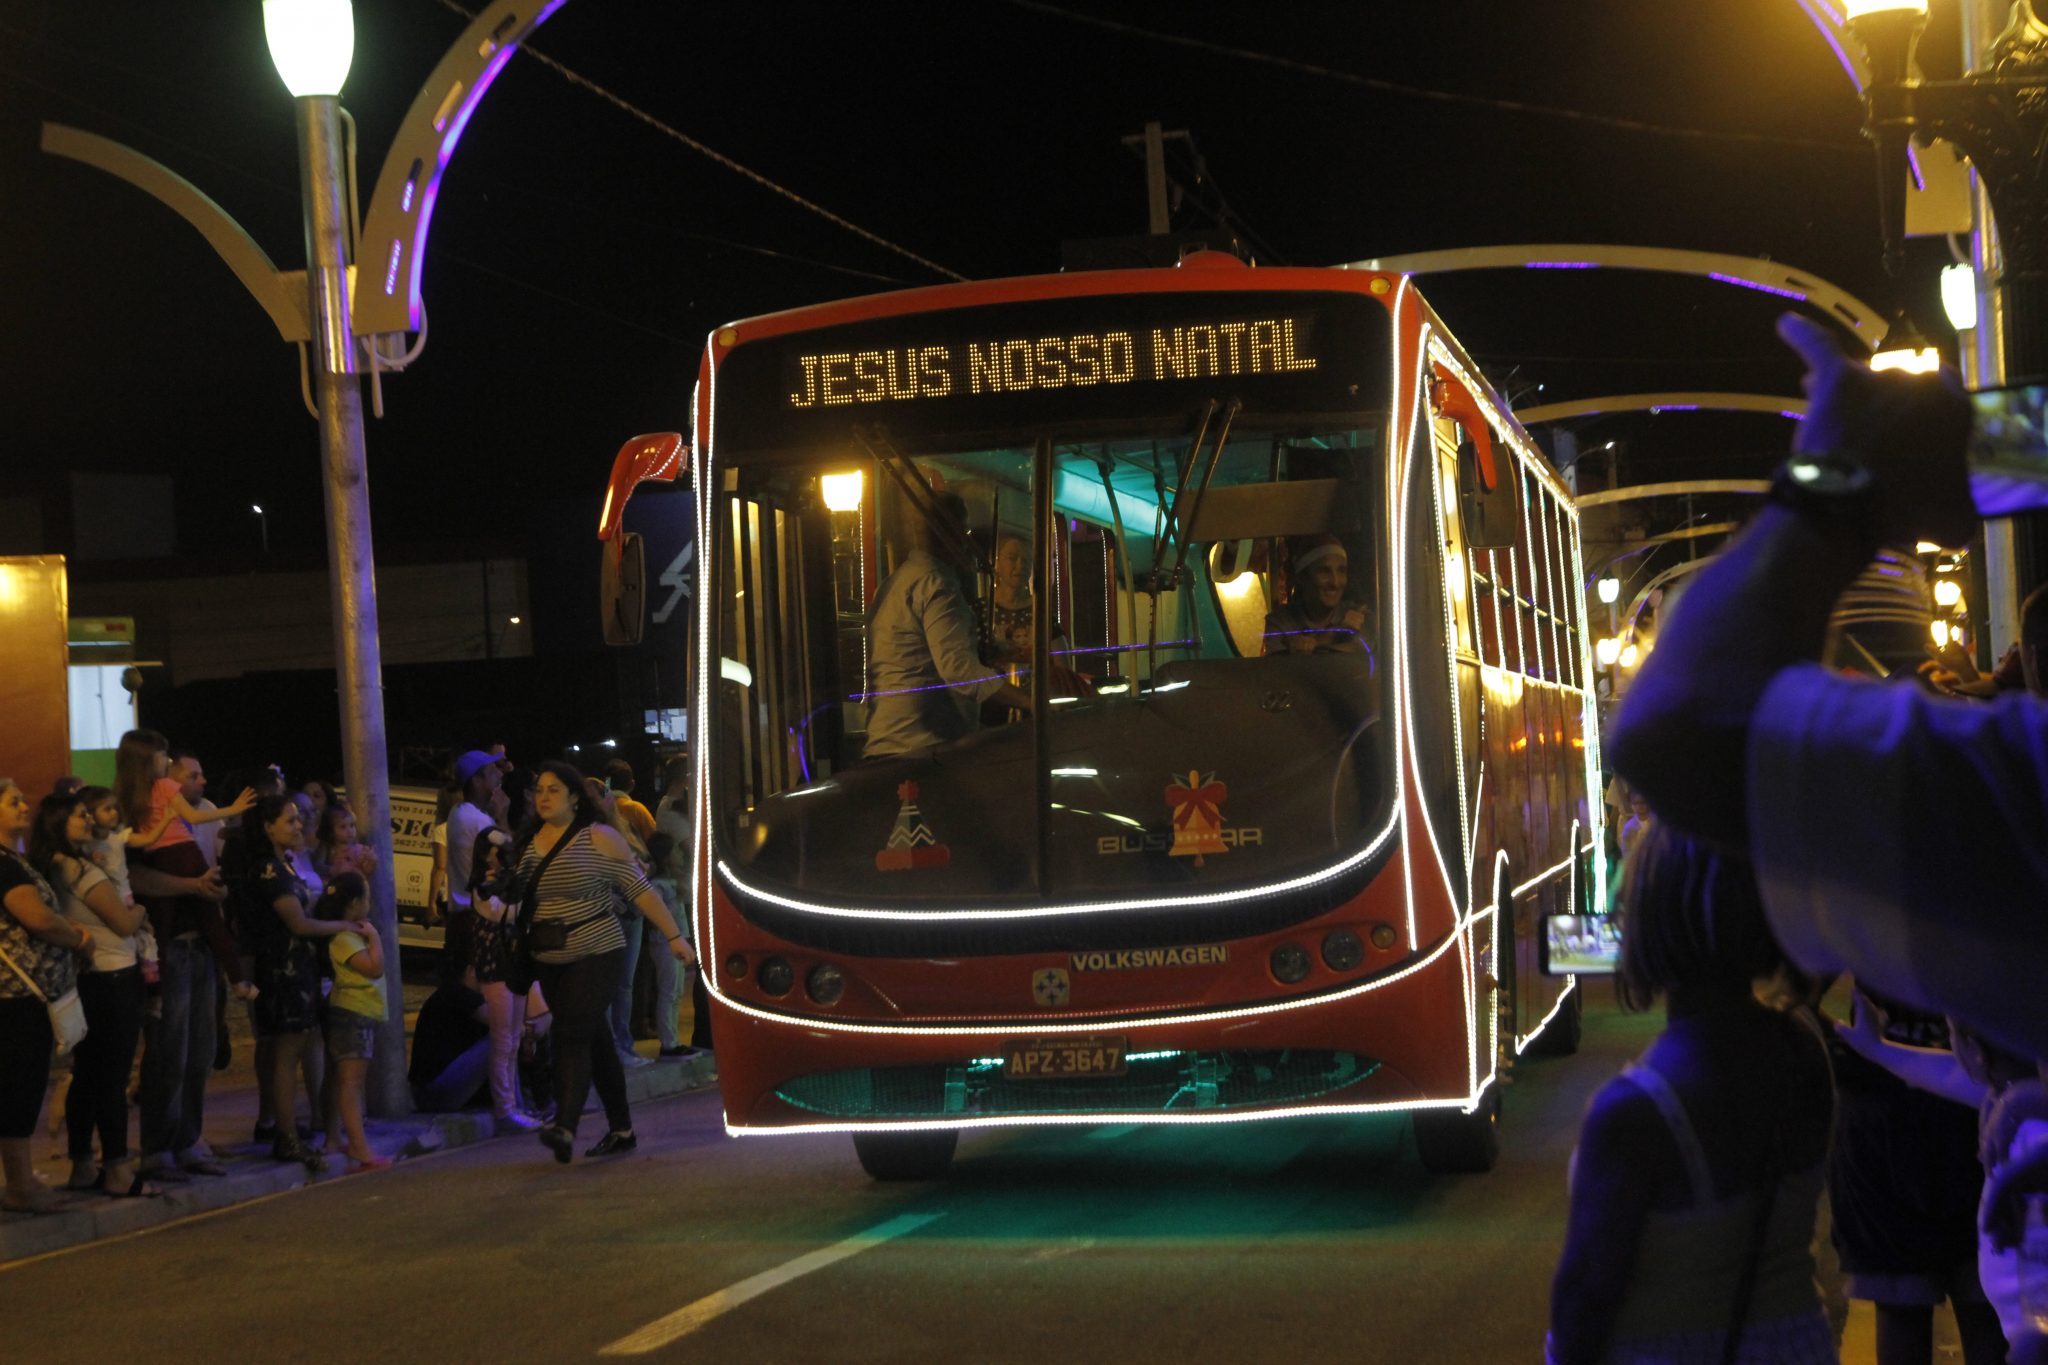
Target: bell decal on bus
[(911, 843), (1197, 802)]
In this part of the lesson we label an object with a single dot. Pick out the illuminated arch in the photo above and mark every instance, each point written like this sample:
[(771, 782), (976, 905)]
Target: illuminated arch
[(1862, 321)]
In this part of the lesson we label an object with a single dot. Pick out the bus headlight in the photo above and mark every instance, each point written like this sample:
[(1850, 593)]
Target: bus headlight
[(736, 965), (825, 984), (1383, 936), (1290, 963), (1342, 950), (776, 976)]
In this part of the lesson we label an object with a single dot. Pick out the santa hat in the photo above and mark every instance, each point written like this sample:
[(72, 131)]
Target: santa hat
[(1312, 552)]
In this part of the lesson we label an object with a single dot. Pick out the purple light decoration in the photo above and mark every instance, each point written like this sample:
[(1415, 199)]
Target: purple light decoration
[(405, 199), (1560, 265), (1757, 285), (456, 125), (1676, 407), (391, 269), (1794, 416), (1827, 32)]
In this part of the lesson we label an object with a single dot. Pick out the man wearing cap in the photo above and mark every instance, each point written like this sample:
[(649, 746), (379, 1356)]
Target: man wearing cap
[(477, 777), (1320, 616)]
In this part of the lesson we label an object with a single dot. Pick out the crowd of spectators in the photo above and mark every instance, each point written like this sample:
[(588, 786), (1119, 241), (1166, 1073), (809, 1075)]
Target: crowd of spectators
[(142, 910)]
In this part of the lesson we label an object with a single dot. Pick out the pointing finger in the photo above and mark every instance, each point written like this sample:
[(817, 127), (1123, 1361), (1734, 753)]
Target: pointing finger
[(1812, 341)]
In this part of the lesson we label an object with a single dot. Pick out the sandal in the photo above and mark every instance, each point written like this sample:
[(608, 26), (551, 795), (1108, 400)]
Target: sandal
[(294, 1148), (49, 1203), (138, 1188), (85, 1175)]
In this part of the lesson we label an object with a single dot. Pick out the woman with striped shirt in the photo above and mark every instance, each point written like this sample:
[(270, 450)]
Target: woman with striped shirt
[(579, 950)]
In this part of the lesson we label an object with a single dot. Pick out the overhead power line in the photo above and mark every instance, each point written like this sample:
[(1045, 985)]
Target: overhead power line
[(670, 131), (1425, 93)]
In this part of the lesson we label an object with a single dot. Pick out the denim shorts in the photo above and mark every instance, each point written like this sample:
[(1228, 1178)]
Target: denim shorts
[(350, 1035)]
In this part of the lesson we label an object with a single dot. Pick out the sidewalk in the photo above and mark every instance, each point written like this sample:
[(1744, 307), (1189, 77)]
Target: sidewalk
[(252, 1174)]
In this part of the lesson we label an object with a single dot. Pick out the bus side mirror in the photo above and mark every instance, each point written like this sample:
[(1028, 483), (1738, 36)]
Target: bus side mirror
[(622, 589), (1487, 474)]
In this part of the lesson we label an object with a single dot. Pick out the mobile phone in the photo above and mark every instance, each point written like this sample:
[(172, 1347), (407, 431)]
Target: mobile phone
[(2008, 450), (1581, 945)]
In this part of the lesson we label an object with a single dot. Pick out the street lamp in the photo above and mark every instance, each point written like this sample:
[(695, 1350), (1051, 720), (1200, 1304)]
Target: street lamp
[(1904, 348), (311, 44), (262, 526), (1610, 590), (1997, 116)]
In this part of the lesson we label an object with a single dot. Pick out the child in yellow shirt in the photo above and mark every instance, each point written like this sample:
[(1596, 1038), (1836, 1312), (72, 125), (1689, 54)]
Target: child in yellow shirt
[(354, 1012)]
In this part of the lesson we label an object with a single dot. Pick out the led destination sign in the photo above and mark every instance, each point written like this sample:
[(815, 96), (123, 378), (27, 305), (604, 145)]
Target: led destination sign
[(1196, 350), (999, 371)]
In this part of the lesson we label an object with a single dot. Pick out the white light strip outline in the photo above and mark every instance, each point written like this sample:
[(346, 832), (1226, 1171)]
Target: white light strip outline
[(1436, 468), (1500, 644), (1522, 1042), (1464, 1104), (1571, 980), (1301, 882), (1529, 548), (1589, 735), (1015, 1027), (1399, 460)]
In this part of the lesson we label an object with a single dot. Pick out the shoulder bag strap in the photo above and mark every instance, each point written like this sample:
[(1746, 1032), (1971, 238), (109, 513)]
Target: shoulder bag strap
[(34, 989), (529, 894)]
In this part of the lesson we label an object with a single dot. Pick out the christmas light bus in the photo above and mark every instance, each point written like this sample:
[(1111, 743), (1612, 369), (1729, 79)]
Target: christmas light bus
[(1213, 872)]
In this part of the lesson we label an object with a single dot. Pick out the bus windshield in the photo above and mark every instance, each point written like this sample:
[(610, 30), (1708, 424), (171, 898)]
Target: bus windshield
[(874, 609), (1199, 708)]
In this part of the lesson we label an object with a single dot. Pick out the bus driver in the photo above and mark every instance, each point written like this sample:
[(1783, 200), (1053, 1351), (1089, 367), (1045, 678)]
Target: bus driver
[(1320, 616), (926, 682)]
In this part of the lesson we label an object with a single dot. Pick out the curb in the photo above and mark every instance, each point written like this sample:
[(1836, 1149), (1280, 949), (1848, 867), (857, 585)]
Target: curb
[(253, 1175)]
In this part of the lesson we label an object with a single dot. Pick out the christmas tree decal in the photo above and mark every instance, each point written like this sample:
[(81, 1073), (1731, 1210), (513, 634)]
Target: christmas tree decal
[(911, 843)]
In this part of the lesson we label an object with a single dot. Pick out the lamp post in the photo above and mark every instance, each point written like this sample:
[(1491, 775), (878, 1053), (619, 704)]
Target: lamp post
[(1996, 114), (311, 43)]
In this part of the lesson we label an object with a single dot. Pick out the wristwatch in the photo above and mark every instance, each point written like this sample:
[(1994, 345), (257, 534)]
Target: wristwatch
[(1834, 492)]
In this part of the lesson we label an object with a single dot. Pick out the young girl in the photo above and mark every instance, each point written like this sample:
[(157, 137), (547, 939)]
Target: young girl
[(160, 824), (354, 1013), (336, 849), (108, 850), (1699, 1169)]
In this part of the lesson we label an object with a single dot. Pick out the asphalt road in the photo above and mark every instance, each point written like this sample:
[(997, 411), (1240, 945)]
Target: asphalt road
[(1303, 1240)]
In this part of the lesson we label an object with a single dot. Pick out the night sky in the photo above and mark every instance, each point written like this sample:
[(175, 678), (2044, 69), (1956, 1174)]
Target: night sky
[(579, 256)]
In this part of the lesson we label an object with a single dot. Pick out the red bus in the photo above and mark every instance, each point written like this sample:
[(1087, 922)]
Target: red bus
[(1222, 867)]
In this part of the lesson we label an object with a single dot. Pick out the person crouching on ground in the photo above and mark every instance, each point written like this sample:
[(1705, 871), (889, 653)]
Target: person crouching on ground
[(1699, 1169), (354, 1013)]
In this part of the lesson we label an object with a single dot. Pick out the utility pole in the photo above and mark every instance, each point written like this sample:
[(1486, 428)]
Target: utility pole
[(1152, 144)]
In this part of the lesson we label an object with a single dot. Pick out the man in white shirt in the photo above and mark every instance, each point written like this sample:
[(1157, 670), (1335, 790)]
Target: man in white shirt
[(926, 680), (477, 776)]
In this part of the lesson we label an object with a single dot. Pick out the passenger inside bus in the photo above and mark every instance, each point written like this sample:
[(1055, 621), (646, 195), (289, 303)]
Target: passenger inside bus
[(1007, 632), (1320, 616), (926, 681)]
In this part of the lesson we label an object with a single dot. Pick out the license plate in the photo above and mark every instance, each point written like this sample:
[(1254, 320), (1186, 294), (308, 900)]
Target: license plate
[(1047, 1059)]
